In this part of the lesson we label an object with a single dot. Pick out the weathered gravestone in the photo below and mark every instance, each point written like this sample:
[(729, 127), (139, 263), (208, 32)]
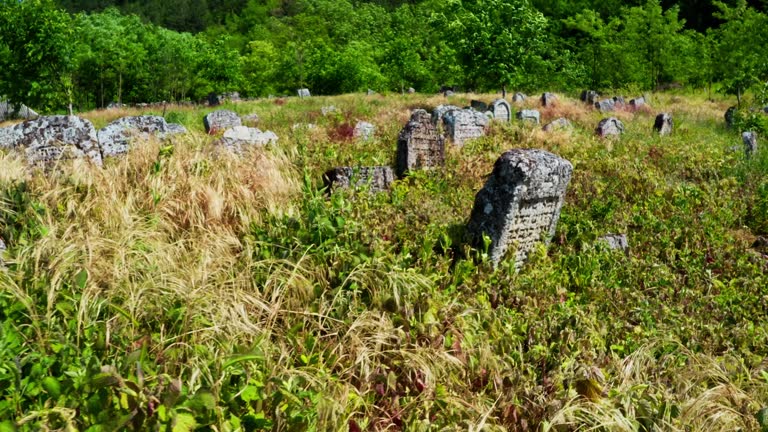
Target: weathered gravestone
[(519, 97), (520, 203), (439, 113), (50, 139), (411, 90), (605, 105), (548, 99), (618, 101), (213, 99), (501, 110), (303, 93), (730, 113), (589, 96), (462, 125), (364, 130), (529, 116), (449, 93), (561, 123), (615, 241), (750, 142), (221, 120), (419, 145), (376, 178), (637, 102), (478, 105), (663, 124), (8, 112), (238, 138), (116, 137), (609, 126), (2, 251)]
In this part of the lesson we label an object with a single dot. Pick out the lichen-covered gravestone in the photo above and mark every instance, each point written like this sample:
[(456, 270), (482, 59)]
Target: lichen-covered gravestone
[(478, 105), (605, 105), (750, 142), (50, 139), (238, 138), (116, 137), (376, 178), (221, 120), (439, 113), (609, 126), (364, 130), (529, 116), (501, 110), (519, 97), (663, 124), (462, 125), (419, 144), (548, 99), (303, 93), (519, 206), (561, 123)]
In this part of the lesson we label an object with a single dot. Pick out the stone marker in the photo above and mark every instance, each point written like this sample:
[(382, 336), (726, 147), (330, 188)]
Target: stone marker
[(637, 102), (589, 96), (561, 123), (213, 99), (615, 242), (238, 138), (501, 110), (371, 92), (419, 145), (548, 99), (376, 178), (519, 97), (49, 139), (449, 93), (610, 126), (663, 124), (729, 114), (529, 115), (618, 101), (116, 137), (251, 119), (328, 109), (478, 105), (3, 248), (750, 142), (519, 206), (221, 120), (364, 130), (303, 93), (462, 125), (411, 90), (7, 112), (439, 113), (605, 105)]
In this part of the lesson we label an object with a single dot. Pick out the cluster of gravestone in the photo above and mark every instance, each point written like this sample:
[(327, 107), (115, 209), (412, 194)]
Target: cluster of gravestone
[(9, 112)]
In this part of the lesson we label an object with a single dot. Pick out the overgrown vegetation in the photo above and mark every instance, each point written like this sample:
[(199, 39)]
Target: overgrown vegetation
[(181, 289)]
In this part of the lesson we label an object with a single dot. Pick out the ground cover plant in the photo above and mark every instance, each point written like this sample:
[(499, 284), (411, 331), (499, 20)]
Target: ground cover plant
[(181, 288)]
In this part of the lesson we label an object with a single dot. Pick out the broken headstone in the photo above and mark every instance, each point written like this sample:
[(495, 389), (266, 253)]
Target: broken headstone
[(605, 105), (419, 145), (519, 97), (7, 112), (615, 242), (589, 96), (548, 99), (637, 102)]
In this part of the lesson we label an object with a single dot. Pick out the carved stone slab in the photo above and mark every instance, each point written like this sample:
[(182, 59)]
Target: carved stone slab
[(463, 125), (520, 204), (116, 137), (376, 178), (529, 115), (548, 99), (663, 124), (519, 97), (49, 139), (303, 93), (501, 110), (750, 142), (419, 144), (610, 126), (221, 120), (561, 123)]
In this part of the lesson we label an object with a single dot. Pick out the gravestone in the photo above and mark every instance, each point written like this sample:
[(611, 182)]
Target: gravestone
[(3, 248), (561, 123), (221, 120), (548, 99), (520, 204), (116, 137), (605, 105), (462, 125), (729, 116), (637, 102), (478, 105), (371, 92), (449, 93), (501, 110), (213, 99), (303, 93), (251, 119), (529, 115), (364, 130), (328, 109), (663, 124), (239, 138), (519, 97), (419, 145), (615, 241), (618, 101), (7, 112), (376, 178), (50, 139), (750, 142), (439, 113), (411, 90), (589, 96), (609, 126)]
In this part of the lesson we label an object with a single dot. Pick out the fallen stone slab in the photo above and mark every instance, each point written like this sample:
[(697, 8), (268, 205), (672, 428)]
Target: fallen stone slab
[(375, 178), (364, 130), (529, 116), (116, 137), (239, 138), (615, 242), (221, 120)]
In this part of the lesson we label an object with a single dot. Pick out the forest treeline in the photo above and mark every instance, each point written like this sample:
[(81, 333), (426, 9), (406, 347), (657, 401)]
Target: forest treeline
[(93, 52)]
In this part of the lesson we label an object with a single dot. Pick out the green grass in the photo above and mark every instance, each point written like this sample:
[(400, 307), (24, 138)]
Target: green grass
[(181, 289)]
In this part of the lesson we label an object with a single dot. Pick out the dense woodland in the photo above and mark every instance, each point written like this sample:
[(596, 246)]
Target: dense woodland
[(94, 52)]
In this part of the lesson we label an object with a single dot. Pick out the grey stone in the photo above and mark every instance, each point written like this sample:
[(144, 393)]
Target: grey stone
[(221, 120), (548, 99), (501, 110), (729, 116), (50, 139), (610, 126), (213, 100), (765, 110), (251, 119), (328, 109), (116, 137), (411, 90), (618, 101), (376, 178), (637, 102), (439, 113), (663, 124), (449, 93), (238, 138), (371, 92), (589, 96), (519, 97), (561, 123), (3, 248), (7, 112), (478, 105), (520, 204), (364, 130), (462, 125), (529, 115), (615, 241), (605, 105), (303, 93), (419, 145), (175, 128), (750, 142), (115, 105)]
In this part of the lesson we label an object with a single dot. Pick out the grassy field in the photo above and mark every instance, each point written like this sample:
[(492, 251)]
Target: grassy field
[(183, 289)]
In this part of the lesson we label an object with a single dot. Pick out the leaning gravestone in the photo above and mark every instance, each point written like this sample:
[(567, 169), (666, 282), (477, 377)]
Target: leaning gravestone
[(519, 97), (376, 178), (729, 116), (589, 96), (238, 138), (221, 120), (548, 99), (605, 105), (610, 126), (419, 144), (750, 142), (478, 105), (462, 125), (529, 115), (520, 203), (561, 123), (364, 130), (50, 139), (663, 124), (115, 138), (303, 93), (501, 110), (7, 112)]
